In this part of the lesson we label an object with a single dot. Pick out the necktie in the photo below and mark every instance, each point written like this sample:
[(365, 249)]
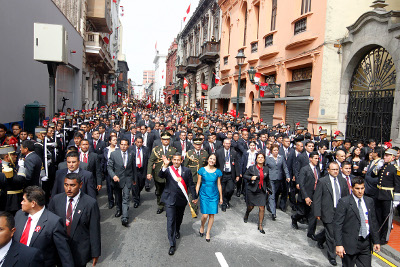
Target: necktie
[(348, 183), (133, 139), (198, 153), (183, 145), (102, 137), (69, 216), (140, 159), (84, 157), (124, 158), (25, 233), (286, 151), (212, 148), (94, 144), (337, 192), (316, 177), (226, 159), (363, 228)]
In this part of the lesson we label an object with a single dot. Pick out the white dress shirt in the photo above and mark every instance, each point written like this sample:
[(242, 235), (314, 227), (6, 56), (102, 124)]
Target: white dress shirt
[(139, 159), (126, 157), (74, 203), (82, 156), (76, 171), (252, 159), (364, 208), (4, 251), (227, 163), (35, 219), (333, 188)]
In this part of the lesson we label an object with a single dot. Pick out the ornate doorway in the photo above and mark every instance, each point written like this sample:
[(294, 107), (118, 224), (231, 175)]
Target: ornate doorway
[(371, 97)]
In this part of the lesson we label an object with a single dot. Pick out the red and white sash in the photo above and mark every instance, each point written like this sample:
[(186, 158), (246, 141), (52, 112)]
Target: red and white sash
[(181, 183)]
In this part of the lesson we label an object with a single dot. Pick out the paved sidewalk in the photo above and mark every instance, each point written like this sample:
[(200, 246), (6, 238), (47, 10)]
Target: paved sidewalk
[(392, 249)]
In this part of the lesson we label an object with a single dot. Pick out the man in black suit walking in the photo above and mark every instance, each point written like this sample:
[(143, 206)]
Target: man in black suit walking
[(182, 145), (48, 234), (327, 194), (81, 216), (97, 145), (289, 155), (73, 163), (93, 161), (13, 253), (122, 170), (141, 158), (356, 227), (178, 181), (32, 163)]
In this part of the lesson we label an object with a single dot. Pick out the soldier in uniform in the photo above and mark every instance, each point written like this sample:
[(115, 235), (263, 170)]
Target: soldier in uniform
[(155, 164), (11, 182), (196, 159), (388, 187)]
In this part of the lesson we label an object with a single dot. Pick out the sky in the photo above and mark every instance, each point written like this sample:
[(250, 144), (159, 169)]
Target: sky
[(147, 22)]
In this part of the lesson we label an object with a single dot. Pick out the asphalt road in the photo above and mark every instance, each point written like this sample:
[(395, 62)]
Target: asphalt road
[(145, 242)]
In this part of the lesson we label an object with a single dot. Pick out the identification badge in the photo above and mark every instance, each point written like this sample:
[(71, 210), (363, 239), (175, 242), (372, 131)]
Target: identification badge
[(252, 163), (67, 222)]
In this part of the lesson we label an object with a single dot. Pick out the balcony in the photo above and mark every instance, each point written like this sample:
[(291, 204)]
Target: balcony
[(98, 12), (192, 64), (98, 52), (180, 71), (210, 52)]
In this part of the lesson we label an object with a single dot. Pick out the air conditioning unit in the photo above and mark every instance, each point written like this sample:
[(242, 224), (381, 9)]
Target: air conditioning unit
[(50, 43)]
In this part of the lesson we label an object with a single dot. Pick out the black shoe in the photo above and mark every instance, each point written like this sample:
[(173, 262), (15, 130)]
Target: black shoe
[(273, 217), (283, 209), (124, 222), (312, 237), (245, 219), (171, 250), (294, 208), (320, 245), (208, 240), (159, 211), (110, 205), (261, 230), (147, 189), (136, 205), (228, 205), (333, 262), (223, 208), (294, 224), (118, 213), (177, 235), (201, 234)]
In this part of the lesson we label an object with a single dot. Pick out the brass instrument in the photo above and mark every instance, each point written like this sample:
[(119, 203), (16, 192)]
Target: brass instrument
[(124, 120), (200, 123)]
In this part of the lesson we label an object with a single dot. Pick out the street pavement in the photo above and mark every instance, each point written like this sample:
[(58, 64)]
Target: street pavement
[(145, 242)]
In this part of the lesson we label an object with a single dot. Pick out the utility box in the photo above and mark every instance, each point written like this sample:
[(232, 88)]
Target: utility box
[(50, 43), (34, 115)]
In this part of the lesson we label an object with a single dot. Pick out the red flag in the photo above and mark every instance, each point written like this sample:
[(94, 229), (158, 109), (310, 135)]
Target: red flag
[(257, 77), (113, 85), (188, 10), (119, 94), (185, 83), (216, 78), (162, 77), (104, 89), (184, 18), (185, 94), (204, 86)]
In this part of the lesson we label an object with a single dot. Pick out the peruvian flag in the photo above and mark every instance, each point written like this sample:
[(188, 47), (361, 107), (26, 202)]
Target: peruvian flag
[(263, 87), (185, 83), (257, 77), (148, 104), (216, 78), (104, 89), (119, 94), (204, 86)]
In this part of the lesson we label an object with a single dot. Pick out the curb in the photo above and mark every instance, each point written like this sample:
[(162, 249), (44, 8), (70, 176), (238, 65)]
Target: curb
[(391, 253)]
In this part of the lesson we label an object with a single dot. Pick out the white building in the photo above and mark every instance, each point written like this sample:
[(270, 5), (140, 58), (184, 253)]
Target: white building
[(159, 77)]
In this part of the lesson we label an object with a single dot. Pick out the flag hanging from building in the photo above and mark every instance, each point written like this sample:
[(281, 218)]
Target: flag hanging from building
[(185, 83), (148, 102), (216, 78), (104, 89), (263, 87), (119, 94), (204, 86), (187, 13), (257, 77)]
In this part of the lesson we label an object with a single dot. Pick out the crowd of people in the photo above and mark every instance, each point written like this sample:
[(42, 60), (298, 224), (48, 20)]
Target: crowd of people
[(51, 178)]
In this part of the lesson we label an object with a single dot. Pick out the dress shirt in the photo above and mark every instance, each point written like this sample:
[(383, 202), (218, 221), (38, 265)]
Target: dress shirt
[(145, 139), (35, 219), (139, 159), (252, 159), (165, 149), (126, 158), (227, 167), (4, 251), (365, 210), (313, 168), (76, 171), (333, 188), (82, 156), (74, 203)]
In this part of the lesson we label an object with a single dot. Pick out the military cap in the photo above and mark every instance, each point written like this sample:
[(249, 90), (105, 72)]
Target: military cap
[(284, 127), (339, 138), (4, 150), (300, 128), (166, 135), (323, 131), (264, 123), (51, 125), (68, 117), (40, 129), (197, 141), (391, 151)]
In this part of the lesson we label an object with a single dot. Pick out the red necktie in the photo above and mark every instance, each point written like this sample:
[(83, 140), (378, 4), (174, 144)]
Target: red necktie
[(260, 184), (212, 148), (133, 139), (69, 216), (140, 159), (25, 233), (348, 183), (94, 144), (85, 158), (316, 177)]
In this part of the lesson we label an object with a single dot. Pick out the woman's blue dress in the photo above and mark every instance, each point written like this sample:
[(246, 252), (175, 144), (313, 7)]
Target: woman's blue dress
[(209, 194)]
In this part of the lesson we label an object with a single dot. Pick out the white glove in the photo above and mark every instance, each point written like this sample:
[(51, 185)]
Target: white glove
[(380, 165), (44, 178), (21, 163), (21, 170)]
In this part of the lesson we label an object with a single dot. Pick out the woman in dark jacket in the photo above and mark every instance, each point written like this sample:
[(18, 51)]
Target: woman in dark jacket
[(257, 179)]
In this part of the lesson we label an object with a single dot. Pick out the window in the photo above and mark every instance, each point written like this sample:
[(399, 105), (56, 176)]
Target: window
[(225, 60), (302, 74), (305, 6), (257, 11), (300, 26), (273, 15), (269, 40), (245, 25), (254, 47)]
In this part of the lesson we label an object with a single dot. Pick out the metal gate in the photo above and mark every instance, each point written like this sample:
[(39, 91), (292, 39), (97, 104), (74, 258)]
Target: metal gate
[(371, 97), (297, 111), (267, 112)]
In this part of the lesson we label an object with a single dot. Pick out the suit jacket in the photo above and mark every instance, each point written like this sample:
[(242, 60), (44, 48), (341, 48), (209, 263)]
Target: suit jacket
[(234, 160), (243, 145), (82, 165), (145, 157), (277, 168), (128, 135), (172, 194), (289, 160), (306, 182), (149, 141), (323, 198), (99, 147), (207, 147), (51, 239), (156, 159), (85, 238), (33, 166), (150, 123), (88, 183), (20, 255), (253, 171), (115, 167), (347, 223), (94, 166), (299, 162), (178, 146)]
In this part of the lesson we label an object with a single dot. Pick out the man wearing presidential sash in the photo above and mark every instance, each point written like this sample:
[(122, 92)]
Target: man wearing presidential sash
[(178, 181)]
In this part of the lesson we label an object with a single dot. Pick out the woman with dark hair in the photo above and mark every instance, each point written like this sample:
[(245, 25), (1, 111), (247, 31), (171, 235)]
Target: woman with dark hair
[(357, 163), (210, 193), (248, 159), (258, 184), (113, 140)]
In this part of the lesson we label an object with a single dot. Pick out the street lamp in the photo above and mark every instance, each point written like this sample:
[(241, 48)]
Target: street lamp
[(271, 85), (240, 60)]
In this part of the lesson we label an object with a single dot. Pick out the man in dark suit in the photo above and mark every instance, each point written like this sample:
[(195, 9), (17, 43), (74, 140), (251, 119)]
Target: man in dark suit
[(307, 182), (48, 235), (131, 135), (289, 155), (356, 227), (243, 143), (96, 145), (73, 164), (182, 145), (93, 161), (346, 174), (81, 220), (122, 170), (32, 163), (147, 137), (13, 253), (178, 181), (229, 163), (103, 134), (141, 156), (327, 194), (212, 145), (146, 122)]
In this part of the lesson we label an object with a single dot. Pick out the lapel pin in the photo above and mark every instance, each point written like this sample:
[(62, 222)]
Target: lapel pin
[(79, 211), (37, 229)]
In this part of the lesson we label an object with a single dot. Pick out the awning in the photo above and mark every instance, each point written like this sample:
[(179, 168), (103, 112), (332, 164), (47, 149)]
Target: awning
[(290, 98), (220, 92)]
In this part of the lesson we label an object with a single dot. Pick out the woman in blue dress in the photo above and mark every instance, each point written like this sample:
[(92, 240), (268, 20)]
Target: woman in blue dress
[(210, 193)]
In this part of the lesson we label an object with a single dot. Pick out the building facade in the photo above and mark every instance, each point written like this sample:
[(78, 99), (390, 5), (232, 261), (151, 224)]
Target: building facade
[(293, 44), (159, 77), (148, 76), (171, 94), (198, 54)]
